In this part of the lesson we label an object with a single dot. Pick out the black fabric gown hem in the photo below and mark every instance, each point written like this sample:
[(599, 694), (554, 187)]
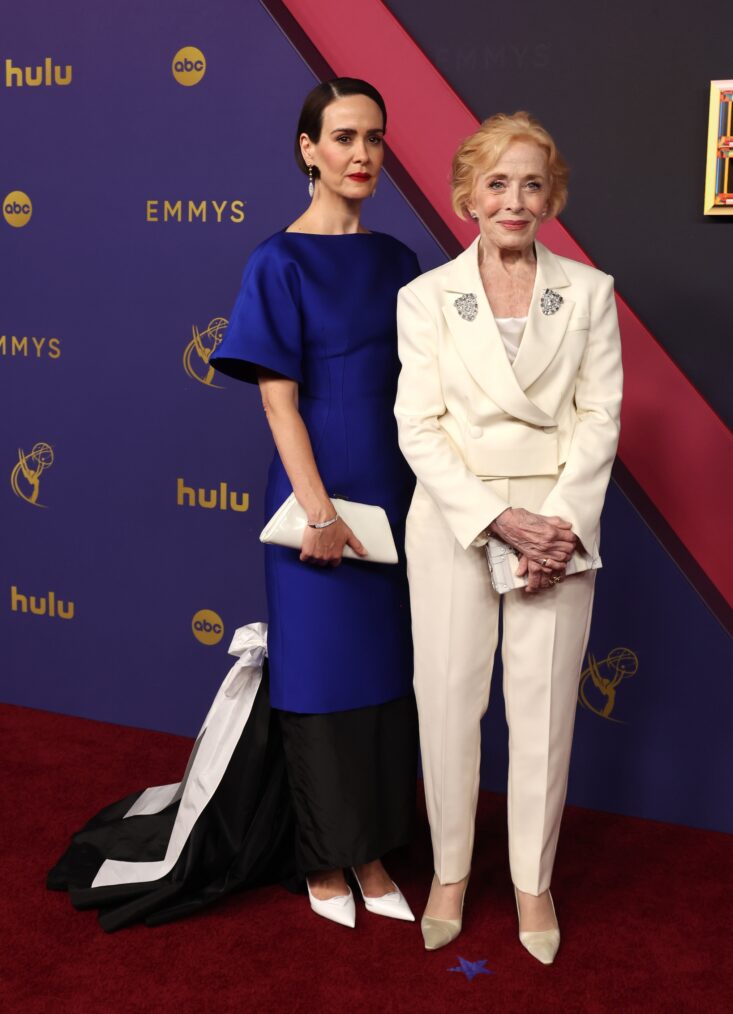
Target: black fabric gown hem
[(249, 833)]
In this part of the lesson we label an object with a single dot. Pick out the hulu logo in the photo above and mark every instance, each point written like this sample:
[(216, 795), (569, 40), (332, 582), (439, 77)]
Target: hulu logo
[(44, 605), (45, 74), (221, 498)]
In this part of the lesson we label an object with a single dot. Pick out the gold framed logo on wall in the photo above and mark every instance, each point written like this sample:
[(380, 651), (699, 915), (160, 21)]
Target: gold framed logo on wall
[(719, 169)]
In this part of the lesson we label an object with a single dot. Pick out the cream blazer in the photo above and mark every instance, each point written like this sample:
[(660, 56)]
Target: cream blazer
[(465, 414)]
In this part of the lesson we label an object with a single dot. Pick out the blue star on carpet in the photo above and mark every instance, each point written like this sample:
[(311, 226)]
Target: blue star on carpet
[(471, 968)]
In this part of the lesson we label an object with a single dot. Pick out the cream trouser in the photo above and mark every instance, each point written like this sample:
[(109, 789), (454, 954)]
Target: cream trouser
[(455, 619)]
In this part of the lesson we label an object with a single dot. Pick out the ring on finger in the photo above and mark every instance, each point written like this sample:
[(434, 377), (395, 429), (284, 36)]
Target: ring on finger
[(543, 563)]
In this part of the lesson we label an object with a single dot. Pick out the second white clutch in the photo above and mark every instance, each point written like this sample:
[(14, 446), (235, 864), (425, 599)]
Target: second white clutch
[(368, 523), (504, 561)]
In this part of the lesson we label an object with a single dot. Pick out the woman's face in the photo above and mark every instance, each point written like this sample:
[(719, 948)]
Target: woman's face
[(350, 151), (510, 200)]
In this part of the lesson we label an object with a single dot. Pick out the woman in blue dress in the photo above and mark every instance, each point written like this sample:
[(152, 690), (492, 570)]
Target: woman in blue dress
[(314, 325), (330, 759)]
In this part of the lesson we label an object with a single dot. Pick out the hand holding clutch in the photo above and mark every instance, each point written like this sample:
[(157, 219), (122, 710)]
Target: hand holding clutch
[(324, 544), (503, 562), (368, 522)]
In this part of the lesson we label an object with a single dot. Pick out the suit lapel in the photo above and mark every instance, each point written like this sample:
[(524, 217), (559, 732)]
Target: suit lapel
[(479, 343), (543, 332)]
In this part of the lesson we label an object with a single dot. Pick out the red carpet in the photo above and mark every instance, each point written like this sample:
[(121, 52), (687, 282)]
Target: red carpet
[(645, 912)]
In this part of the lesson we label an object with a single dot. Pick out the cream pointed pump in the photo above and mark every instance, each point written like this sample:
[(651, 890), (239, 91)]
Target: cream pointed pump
[(440, 932), (541, 944)]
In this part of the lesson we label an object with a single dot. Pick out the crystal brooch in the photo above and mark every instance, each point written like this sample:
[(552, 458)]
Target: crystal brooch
[(550, 302), (467, 306)]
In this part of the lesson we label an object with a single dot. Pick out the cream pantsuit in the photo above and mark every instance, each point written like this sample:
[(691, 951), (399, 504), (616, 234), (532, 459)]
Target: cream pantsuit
[(455, 622), (482, 435)]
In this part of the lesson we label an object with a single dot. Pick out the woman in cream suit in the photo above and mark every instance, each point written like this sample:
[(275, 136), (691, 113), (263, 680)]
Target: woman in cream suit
[(508, 412)]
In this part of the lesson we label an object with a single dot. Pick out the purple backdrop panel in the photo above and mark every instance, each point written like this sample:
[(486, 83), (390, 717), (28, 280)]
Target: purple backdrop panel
[(148, 196), (132, 496)]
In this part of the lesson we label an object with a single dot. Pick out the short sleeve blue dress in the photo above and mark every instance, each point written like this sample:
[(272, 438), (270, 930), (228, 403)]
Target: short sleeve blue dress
[(320, 310), (323, 774)]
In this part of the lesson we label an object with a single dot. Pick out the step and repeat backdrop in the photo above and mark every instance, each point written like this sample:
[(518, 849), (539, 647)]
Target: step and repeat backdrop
[(147, 152)]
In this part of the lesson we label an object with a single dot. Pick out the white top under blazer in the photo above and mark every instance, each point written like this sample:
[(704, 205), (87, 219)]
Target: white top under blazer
[(511, 330)]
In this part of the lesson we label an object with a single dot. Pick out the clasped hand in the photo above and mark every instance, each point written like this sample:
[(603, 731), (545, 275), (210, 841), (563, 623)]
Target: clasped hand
[(544, 544), (324, 547)]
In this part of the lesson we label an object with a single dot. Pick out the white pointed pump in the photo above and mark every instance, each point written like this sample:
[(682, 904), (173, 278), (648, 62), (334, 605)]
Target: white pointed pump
[(392, 905), (340, 909)]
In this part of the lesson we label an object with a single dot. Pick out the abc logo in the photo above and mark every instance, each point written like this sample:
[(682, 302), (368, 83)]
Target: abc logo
[(207, 626), (17, 209), (189, 66)]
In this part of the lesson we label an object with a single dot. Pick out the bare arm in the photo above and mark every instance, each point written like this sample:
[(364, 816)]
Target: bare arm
[(323, 546)]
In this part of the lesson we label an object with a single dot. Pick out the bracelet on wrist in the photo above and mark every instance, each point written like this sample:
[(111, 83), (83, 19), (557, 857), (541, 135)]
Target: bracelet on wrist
[(324, 524)]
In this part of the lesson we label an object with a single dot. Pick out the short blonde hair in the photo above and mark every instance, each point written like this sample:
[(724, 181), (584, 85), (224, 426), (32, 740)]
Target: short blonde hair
[(483, 149)]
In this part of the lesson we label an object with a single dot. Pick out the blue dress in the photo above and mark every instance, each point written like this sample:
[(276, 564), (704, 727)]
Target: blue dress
[(327, 780), (320, 310)]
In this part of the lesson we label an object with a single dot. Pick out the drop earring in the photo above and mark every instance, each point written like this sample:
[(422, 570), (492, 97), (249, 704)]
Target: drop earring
[(311, 188)]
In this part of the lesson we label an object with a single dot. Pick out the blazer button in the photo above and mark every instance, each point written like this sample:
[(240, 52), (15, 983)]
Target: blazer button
[(476, 431)]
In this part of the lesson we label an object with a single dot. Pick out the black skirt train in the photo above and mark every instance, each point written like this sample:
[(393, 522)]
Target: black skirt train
[(267, 796)]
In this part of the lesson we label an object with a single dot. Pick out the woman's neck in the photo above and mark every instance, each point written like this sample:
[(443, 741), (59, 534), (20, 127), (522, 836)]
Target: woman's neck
[(493, 258), (329, 214)]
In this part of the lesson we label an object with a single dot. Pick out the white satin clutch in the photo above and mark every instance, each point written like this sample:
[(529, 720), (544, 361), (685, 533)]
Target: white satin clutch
[(368, 523), (504, 561)]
